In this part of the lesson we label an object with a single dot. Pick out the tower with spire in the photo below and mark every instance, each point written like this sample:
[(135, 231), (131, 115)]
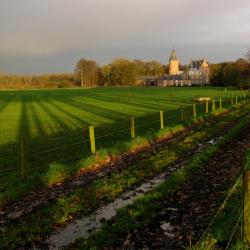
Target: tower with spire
[(173, 64)]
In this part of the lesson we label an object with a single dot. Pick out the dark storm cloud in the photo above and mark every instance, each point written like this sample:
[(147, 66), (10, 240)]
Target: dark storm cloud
[(51, 35)]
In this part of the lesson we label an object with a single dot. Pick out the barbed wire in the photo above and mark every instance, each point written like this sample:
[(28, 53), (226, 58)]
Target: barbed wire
[(6, 163), (80, 131), (109, 128), (234, 231), (58, 148)]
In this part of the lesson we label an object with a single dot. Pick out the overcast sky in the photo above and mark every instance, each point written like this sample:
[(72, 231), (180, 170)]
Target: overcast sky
[(39, 36)]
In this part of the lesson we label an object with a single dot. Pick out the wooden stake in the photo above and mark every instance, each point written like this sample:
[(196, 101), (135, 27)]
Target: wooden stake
[(133, 127), (161, 120), (206, 107), (246, 209), (194, 110), (92, 139), (213, 106)]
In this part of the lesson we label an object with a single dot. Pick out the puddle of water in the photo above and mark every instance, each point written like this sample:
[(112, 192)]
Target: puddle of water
[(211, 142), (167, 228), (82, 227)]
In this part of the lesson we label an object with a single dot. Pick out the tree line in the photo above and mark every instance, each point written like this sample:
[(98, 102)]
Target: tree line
[(88, 73), (236, 73), (37, 81), (124, 72), (121, 72)]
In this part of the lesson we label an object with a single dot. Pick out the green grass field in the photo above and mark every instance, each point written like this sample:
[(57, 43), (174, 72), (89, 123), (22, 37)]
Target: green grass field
[(54, 124)]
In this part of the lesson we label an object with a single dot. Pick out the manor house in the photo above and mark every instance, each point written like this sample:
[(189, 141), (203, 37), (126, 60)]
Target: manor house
[(196, 74)]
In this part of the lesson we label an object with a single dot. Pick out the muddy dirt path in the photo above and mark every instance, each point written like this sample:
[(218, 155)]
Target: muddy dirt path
[(185, 217)]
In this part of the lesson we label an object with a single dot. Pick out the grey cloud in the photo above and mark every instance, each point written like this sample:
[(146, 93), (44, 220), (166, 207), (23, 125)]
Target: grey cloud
[(51, 35)]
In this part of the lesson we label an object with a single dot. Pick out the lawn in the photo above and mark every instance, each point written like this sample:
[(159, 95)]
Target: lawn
[(54, 125)]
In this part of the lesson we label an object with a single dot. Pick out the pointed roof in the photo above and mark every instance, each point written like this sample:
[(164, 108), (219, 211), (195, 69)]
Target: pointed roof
[(173, 56), (196, 64)]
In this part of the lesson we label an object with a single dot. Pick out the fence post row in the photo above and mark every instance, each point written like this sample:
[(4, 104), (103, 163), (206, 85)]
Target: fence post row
[(245, 97), (161, 120), (92, 139), (194, 110), (132, 123), (23, 158)]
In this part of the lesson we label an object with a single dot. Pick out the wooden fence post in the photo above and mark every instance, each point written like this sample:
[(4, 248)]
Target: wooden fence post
[(220, 104), (213, 106), (182, 114), (207, 107), (232, 100), (92, 139), (236, 100), (132, 127), (246, 209), (24, 161), (194, 110), (161, 120)]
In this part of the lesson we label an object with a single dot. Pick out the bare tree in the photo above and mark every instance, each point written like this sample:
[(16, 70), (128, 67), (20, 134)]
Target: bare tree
[(87, 73)]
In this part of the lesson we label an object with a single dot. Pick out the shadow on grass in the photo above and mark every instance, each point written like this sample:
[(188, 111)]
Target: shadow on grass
[(52, 158)]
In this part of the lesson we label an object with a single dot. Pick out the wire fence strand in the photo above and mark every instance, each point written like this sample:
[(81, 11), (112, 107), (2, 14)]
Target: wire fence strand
[(233, 232)]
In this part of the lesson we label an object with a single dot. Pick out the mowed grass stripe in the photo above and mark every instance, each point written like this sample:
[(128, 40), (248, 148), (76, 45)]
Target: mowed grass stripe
[(40, 115), (144, 101)]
